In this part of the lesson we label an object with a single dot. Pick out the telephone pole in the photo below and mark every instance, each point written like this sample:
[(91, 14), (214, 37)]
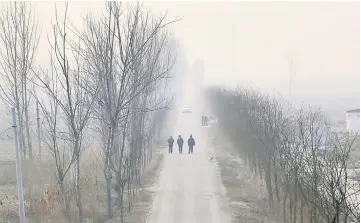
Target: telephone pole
[(234, 48), (290, 70), (19, 176)]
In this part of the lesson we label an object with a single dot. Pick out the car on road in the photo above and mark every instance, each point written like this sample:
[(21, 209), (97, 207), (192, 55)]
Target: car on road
[(186, 109)]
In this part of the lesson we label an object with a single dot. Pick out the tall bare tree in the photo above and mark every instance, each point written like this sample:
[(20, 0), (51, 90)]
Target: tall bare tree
[(75, 96), (123, 53), (19, 38), (53, 135)]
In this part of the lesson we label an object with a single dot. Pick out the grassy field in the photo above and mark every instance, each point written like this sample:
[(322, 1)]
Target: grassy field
[(39, 177)]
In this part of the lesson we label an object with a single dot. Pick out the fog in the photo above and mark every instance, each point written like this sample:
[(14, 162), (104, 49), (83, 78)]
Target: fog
[(112, 80), (250, 44)]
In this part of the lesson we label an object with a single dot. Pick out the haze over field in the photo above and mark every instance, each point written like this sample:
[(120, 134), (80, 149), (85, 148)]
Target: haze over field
[(101, 91), (260, 38)]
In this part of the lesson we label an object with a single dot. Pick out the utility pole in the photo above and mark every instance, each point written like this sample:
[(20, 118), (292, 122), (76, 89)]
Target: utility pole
[(290, 69), (19, 176), (292, 73), (234, 48)]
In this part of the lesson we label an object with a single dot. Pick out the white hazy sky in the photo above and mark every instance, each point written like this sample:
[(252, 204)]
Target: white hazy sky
[(323, 38)]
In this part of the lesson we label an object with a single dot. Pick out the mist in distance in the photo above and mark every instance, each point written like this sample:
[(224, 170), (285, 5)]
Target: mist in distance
[(250, 44), (94, 121)]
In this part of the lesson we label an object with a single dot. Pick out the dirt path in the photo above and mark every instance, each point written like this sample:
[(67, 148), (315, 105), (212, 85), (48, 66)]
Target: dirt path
[(189, 189)]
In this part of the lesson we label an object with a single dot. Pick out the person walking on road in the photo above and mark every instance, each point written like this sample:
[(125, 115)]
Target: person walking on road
[(191, 144), (180, 143), (170, 144)]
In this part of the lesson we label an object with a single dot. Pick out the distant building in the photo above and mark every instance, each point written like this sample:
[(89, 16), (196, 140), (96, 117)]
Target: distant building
[(353, 120)]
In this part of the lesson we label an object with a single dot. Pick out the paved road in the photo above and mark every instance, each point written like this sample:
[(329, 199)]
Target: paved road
[(189, 189)]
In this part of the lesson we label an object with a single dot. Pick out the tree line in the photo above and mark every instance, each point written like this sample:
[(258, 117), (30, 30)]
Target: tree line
[(311, 171), (108, 80)]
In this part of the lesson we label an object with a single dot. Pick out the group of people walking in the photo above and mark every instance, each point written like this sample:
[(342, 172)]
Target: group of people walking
[(206, 120), (191, 144)]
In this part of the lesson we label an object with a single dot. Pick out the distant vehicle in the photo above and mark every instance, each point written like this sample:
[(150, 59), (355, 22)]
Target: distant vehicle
[(186, 109)]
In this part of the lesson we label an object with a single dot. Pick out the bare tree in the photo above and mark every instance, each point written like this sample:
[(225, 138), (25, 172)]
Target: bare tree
[(52, 137), (311, 167), (75, 95), (19, 38), (123, 53), (337, 203)]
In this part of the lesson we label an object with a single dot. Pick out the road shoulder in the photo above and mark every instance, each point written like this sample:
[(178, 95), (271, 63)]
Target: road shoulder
[(244, 191), (147, 191)]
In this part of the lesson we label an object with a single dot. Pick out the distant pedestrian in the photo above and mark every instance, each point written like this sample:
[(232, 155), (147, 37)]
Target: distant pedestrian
[(191, 144), (170, 144), (180, 143)]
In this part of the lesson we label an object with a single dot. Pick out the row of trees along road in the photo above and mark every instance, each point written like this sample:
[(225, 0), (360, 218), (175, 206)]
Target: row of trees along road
[(309, 170), (108, 80)]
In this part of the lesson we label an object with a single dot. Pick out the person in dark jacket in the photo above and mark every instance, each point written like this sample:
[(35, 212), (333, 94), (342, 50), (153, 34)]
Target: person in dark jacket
[(191, 143), (170, 144), (180, 143)]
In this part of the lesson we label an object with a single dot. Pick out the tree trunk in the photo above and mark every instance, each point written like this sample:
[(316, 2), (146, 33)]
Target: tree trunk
[(38, 128), (301, 211), (77, 187), (30, 147), (107, 171), (269, 184), (22, 136), (290, 206), (66, 201), (21, 132), (26, 111), (284, 207), (276, 180), (122, 203), (260, 170), (295, 205), (129, 195), (151, 155), (107, 174), (109, 195)]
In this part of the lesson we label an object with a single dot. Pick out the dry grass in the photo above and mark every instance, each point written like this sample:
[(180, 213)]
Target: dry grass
[(246, 193), (145, 196), (36, 179), (43, 206)]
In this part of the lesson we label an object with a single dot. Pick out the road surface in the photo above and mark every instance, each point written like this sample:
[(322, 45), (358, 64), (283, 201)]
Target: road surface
[(189, 189)]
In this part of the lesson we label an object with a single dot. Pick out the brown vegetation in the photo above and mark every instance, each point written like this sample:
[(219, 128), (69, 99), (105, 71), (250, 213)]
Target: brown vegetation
[(307, 169)]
